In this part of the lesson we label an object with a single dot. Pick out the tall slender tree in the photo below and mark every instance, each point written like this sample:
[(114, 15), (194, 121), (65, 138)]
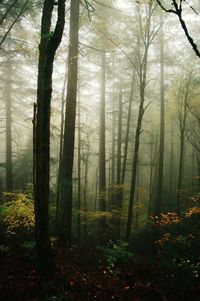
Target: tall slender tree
[(147, 37), (158, 201), (49, 43), (183, 98), (65, 225), (8, 89), (102, 146)]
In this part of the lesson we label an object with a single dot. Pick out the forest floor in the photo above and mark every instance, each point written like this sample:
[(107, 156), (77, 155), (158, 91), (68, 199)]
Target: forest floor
[(82, 276)]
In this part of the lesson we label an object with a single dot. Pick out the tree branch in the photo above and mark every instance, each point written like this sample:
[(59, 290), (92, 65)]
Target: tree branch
[(178, 12)]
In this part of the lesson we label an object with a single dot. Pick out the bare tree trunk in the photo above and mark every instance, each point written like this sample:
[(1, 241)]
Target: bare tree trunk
[(198, 166), (150, 180), (142, 72), (180, 172), (102, 148), (184, 97), (58, 186), (34, 121), (65, 231), (79, 172), (113, 135), (85, 190), (135, 161), (158, 201), (171, 180), (127, 132), (137, 198), (9, 173), (118, 190)]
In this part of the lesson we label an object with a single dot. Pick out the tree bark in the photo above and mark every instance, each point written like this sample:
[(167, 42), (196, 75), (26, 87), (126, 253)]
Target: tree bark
[(65, 230), (79, 172), (127, 132), (118, 189), (158, 201), (48, 44), (180, 172), (102, 148), (9, 173), (58, 186), (135, 161), (142, 83)]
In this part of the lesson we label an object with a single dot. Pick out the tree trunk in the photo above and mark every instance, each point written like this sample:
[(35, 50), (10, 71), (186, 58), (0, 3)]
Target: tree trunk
[(102, 151), (117, 199), (58, 186), (137, 198), (79, 172), (127, 133), (47, 48), (184, 97), (9, 173), (65, 231), (158, 201), (171, 180), (135, 162), (180, 173), (142, 81), (113, 144), (150, 180), (86, 183), (198, 168)]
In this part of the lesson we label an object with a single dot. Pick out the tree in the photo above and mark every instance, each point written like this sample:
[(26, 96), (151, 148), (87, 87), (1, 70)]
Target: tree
[(102, 145), (9, 165), (178, 10), (65, 230), (146, 37), (183, 98), (49, 43), (158, 201)]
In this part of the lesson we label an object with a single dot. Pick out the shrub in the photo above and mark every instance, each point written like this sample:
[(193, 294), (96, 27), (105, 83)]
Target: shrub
[(116, 254), (17, 215)]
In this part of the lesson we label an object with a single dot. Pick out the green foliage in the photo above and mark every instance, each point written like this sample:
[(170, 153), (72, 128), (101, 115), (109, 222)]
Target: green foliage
[(29, 245), (17, 215), (4, 249), (170, 246), (116, 254)]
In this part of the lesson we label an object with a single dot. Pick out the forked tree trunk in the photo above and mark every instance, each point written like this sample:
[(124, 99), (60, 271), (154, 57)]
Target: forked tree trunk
[(48, 45)]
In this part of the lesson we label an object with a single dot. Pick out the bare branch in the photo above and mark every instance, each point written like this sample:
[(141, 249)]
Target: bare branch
[(165, 9), (178, 12)]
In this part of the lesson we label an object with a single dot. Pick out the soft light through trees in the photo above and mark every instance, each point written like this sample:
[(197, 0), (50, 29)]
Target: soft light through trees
[(102, 139)]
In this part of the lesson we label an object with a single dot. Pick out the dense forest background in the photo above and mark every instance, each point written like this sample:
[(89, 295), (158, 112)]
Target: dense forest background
[(100, 150)]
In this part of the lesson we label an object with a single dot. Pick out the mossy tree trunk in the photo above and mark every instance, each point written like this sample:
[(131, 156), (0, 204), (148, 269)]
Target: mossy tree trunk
[(49, 43)]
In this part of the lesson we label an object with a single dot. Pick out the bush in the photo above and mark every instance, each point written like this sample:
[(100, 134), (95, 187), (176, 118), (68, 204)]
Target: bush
[(116, 254), (17, 216)]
